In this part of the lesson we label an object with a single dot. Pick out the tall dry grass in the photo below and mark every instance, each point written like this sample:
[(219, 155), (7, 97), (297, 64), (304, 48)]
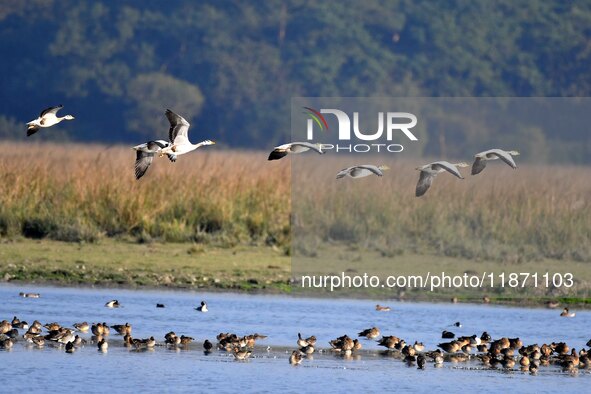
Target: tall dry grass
[(530, 213), (82, 192)]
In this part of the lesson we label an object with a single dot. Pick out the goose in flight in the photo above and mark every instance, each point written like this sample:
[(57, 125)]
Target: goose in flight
[(430, 171), (145, 155), (361, 171), (481, 158), (178, 134), (281, 151), (47, 118)]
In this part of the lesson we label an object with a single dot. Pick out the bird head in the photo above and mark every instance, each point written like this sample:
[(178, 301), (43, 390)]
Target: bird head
[(384, 167), (208, 142), (69, 117), (462, 164)]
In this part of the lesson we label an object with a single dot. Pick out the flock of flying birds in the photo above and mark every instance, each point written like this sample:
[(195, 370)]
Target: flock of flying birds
[(178, 144)]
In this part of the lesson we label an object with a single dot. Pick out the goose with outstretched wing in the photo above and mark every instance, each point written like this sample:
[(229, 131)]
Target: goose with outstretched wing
[(281, 151), (145, 155), (362, 170), (47, 118), (430, 171), (481, 158), (178, 135)]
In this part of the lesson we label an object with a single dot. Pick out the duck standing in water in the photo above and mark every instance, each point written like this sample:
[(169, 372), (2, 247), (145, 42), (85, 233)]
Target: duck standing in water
[(295, 358)]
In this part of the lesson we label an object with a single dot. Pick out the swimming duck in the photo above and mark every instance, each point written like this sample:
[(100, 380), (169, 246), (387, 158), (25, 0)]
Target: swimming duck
[(207, 345), (122, 329), (150, 342), (389, 342), (295, 358), (39, 341), (381, 308), (97, 329), (112, 304), (567, 313), (418, 346), (202, 307), (52, 326), (241, 354), (103, 345), (560, 348), (6, 343), (450, 347), (447, 335), (82, 327), (29, 295), (70, 347), (301, 341), (77, 341), (485, 337), (160, 306), (370, 333), (5, 326), (127, 340), (185, 340)]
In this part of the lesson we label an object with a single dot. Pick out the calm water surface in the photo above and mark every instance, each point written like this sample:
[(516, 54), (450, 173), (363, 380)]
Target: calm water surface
[(50, 369)]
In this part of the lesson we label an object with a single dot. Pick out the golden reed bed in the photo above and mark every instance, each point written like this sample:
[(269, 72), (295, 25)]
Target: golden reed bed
[(76, 192)]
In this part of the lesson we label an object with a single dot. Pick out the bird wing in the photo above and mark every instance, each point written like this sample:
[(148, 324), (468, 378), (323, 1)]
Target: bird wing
[(51, 110), (142, 163), (425, 180), (277, 154), (308, 145), (179, 127), (32, 130), (447, 167), (344, 172), (506, 157), (478, 166), (372, 168)]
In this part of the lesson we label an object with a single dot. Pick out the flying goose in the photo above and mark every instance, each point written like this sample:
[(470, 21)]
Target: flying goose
[(178, 134), (481, 158), (145, 154), (47, 118), (361, 171), (430, 171), (281, 151)]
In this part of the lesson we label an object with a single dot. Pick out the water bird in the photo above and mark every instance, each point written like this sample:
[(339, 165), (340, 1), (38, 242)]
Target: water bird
[(29, 295), (481, 158), (39, 341), (295, 358), (5, 326), (207, 345), (47, 118), (52, 326), (112, 304), (450, 347), (6, 343), (241, 355), (70, 347), (430, 171), (82, 327), (202, 307), (281, 151), (447, 335), (178, 135), (103, 345), (160, 306), (389, 342), (307, 349), (370, 333), (144, 155), (384, 308), (301, 341), (418, 346), (421, 362), (185, 340), (566, 313), (362, 170), (122, 329)]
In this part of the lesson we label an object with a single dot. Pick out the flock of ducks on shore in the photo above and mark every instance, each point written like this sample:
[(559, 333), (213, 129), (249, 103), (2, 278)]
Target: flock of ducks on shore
[(178, 144), (505, 353)]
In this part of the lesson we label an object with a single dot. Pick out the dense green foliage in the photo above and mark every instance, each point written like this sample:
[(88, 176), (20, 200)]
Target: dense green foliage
[(233, 66)]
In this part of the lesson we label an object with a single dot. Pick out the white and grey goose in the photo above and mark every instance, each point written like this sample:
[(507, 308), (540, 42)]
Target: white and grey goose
[(47, 118), (430, 171), (362, 170), (481, 158), (281, 151), (145, 155), (178, 135)]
